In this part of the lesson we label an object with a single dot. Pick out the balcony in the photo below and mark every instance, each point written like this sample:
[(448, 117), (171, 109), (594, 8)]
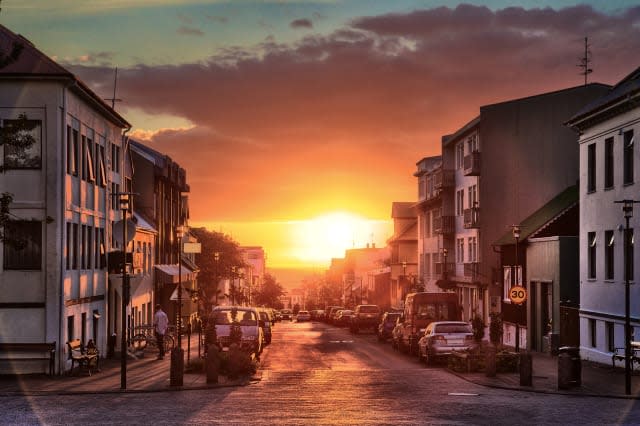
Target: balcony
[(471, 218), (444, 179), (444, 225), (441, 268), (472, 164), (471, 270)]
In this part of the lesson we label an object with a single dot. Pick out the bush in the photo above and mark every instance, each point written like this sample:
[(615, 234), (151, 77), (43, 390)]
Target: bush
[(495, 328), (236, 363), (478, 328)]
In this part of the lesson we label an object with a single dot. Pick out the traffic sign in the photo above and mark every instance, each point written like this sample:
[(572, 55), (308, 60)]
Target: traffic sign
[(518, 294)]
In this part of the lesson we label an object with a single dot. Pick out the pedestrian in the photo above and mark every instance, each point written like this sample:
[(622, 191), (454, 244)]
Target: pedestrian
[(161, 324)]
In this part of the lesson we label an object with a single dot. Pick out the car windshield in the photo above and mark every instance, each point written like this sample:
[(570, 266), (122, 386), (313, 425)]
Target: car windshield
[(303, 313), (453, 328), (369, 309), (223, 317), (392, 317)]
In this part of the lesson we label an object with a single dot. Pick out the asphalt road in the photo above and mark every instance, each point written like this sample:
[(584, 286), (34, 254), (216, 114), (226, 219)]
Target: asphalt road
[(317, 374)]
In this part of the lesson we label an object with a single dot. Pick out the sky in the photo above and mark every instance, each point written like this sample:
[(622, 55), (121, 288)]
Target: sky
[(300, 122)]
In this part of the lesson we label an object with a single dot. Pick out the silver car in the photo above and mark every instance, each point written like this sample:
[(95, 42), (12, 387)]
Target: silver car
[(442, 338), (252, 339)]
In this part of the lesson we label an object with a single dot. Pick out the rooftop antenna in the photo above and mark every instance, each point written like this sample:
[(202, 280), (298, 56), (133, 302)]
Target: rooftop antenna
[(585, 60), (115, 83)]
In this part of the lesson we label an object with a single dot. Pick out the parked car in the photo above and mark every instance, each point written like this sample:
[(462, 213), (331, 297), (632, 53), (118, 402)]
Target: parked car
[(386, 325), (317, 315), (278, 316), (286, 314), (266, 324), (303, 316), (252, 339), (442, 338), (343, 318), (396, 333), (365, 317), (331, 312)]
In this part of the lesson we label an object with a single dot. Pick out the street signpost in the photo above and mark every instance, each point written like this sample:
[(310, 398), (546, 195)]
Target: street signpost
[(518, 294)]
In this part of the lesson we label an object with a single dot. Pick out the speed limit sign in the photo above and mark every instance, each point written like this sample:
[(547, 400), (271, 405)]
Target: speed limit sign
[(517, 294)]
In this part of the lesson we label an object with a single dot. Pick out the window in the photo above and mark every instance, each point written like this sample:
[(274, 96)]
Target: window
[(473, 249), (115, 158), (91, 177), (591, 168), (67, 247), (422, 187), (611, 337), (608, 163), (472, 143), (629, 265), (473, 196), (627, 139), (83, 328), (90, 248), (83, 246), (74, 258), (22, 140), (100, 170), (459, 155), (459, 202), (23, 245), (71, 334), (460, 250), (608, 255), (75, 147), (591, 255), (592, 333)]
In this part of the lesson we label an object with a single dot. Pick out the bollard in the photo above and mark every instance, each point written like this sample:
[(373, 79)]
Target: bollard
[(490, 369), (212, 364), (564, 371), (176, 371), (526, 369), (569, 367)]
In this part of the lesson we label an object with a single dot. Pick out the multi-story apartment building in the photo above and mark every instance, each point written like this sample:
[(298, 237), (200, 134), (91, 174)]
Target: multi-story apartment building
[(608, 159), (54, 280), (507, 162), (403, 247), (254, 259), (358, 264), (433, 222), (160, 188)]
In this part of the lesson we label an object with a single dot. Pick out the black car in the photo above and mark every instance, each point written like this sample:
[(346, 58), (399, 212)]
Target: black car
[(386, 325)]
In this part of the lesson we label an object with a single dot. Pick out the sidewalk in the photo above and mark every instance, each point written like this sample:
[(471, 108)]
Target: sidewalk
[(145, 374), (150, 375), (597, 379)]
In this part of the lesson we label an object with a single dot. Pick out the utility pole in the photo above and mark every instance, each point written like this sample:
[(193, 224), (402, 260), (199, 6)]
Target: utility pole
[(585, 60)]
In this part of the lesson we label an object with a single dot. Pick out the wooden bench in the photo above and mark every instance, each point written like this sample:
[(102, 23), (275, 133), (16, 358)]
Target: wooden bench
[(40, 351), (88, 358), (619, 355)]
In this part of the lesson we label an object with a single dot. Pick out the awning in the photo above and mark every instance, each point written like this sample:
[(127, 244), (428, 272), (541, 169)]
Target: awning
[(168, 274)]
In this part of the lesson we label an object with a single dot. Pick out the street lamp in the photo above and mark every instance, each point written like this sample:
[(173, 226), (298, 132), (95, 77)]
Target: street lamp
[(627, 209), (216, 258), (233, 286), (177, 354), (515, 229), (125, 206), (445, 253)]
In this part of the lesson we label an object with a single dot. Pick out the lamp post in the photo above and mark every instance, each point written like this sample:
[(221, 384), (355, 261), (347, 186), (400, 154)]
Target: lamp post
[(125, 206), (445, 253), (177, 354), (627, 209), (233, 286), (516, 235), (216, 258)]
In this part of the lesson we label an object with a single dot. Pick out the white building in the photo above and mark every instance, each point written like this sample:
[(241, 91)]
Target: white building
[(608, 159), (54, 284), (254, 258)]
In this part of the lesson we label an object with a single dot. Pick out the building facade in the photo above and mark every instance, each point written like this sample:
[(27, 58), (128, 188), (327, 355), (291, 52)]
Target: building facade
[(54, 277), (608, 159)]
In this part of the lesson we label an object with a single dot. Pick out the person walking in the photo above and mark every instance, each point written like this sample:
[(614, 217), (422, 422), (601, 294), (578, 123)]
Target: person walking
[(161, 324)]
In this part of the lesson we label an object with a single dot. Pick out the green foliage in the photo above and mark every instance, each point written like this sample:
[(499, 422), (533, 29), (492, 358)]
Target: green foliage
[(478, 328), (495, 328), (269, 294), (17, 137), (235, 331)]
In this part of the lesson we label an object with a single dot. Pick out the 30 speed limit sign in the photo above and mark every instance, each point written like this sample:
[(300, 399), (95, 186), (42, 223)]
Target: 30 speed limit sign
[(517, 294)]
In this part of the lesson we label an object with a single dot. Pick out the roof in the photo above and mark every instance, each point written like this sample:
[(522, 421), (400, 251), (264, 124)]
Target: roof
[(403, 209), (622, 91), (461, 132), (33, 64), (142, 224), (408, 233), (544, 216)]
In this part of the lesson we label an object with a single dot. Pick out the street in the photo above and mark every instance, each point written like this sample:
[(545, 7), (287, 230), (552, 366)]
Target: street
[(313, 373)]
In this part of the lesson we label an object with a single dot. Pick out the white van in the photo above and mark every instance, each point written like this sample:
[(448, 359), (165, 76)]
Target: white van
[(248, 318)]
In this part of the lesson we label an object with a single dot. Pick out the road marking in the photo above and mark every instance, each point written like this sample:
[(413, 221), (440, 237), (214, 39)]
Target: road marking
[(340, 341), (462, 394)]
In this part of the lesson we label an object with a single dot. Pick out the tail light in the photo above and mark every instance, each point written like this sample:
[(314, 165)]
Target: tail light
[(438, 337)]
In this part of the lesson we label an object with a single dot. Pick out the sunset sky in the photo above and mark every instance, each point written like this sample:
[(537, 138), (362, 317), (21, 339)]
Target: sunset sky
[(300, 122)]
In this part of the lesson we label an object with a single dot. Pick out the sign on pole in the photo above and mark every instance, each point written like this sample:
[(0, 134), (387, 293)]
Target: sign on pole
[(192, 248), (518, 294)]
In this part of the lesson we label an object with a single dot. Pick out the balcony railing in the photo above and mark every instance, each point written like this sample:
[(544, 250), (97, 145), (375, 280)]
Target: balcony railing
[(472, 164), (444, 179), (472, 218), (471, 269), (441, 268), (444, 224)]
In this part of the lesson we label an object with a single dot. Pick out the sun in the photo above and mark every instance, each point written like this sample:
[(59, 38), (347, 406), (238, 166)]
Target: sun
[(327, 236)]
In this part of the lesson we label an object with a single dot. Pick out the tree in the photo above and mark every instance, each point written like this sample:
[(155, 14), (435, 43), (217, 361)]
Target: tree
[(269, 294), (214, 268)]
